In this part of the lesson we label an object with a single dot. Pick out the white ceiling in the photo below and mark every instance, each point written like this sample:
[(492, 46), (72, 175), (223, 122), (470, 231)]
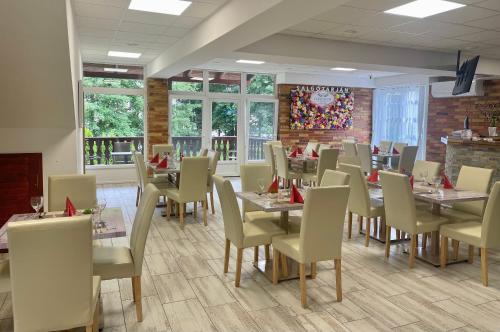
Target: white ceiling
[(474, 28), (221, 64), (105, 25)]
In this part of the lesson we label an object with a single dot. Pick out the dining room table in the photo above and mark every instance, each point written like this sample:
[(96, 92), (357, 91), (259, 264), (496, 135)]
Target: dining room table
[(276, 202), (303, 163), (110, 225), (437, 197)]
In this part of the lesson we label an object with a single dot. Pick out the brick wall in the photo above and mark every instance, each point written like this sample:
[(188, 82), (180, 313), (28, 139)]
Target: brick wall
[(157, 122), (362, 121), (448, 114)]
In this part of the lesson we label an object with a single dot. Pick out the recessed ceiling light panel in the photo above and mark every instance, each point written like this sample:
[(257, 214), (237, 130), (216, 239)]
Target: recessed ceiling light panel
[(170, 7), (251, 62), (116, 70), (124, 54), (343, 69), (424, 8)]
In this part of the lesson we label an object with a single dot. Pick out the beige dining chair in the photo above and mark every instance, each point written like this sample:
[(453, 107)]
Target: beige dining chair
[(484, 235), (385, 146), (269, 157), (407, 159), (203, 152), (401, 213), (350, 160), (79, 188), (360, 202), (241, 234), (311, 145), (192, 187), (365, 157), (320, 236), (399, 147), (349, 148), (275, 143), (162, 149), (161, 183), (323, 147), (334, 178), (282, 170), (126, 262), (425, 170), (53, 287), (4, 276), (213, 161), (327, 160)]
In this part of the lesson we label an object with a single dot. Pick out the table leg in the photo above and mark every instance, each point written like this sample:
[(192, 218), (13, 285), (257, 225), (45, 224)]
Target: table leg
[(436, 209), (284, 220)]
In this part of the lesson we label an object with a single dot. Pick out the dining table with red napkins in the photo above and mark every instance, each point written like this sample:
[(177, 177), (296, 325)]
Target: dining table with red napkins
[(155, 159), (373, 177), (297, 151), (376, 149), (163, 163), (274, 187), (70, 210), (295, 196)]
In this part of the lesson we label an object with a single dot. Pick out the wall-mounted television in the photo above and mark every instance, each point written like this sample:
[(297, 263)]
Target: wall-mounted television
[(465, 75)]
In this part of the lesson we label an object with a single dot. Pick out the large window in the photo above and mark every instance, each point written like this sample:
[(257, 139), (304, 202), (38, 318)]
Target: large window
[(187, 81), (399, 115), (186, 127)]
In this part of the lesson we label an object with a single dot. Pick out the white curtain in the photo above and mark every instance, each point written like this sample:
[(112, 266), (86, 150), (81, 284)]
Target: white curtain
[(400, 115)]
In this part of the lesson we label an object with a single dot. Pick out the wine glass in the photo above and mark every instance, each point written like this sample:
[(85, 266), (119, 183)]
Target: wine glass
[(100, 205), (437, 182), (36, 204), (424, 175), (262, 184)]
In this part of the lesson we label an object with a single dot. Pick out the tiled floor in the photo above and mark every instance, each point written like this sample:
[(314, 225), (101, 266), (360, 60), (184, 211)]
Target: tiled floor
[(184, 288)]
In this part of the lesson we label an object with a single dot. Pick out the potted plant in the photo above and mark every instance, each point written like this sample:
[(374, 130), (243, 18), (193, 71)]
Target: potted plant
[(491, 113)]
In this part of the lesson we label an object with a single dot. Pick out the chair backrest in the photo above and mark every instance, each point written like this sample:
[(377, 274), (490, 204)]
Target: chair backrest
[(51, 273), (365, 157), (281, 161), (327, 160), (334, 178), (143, 172), (79, 188), (407, 158), (399, 203), (213, 161), (385, 146), (250, 175), (399, 147), (275, 143), (425, 169), (194, 177), (162, 149), (350, 160), (203, 153), (233, 224), (349, 148), (121, 146), (324, 146), (141, 225), (321, 229), (490, 232), (474, 179), (311, 145), (269, 156), (137, 168), (359, 200)]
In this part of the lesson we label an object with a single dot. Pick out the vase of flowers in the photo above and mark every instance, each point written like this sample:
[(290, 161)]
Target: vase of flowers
[(491, 113)]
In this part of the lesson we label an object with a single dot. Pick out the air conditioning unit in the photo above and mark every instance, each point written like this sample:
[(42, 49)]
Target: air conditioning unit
[(444, 89)]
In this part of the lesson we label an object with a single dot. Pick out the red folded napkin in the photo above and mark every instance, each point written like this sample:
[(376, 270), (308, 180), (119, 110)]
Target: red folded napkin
[(293, 154), (373, 177), (447, 183), (163, 163), (70, 208), (376, 150), (411, 182), (273, 188), (299, 150), (315, 154), (295, 196), (394, 151), (155, 159)]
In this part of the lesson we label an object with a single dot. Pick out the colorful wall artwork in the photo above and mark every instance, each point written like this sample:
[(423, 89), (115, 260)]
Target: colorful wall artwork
[(321, 107)]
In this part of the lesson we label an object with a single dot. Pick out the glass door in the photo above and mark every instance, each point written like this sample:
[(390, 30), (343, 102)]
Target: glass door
[(186, 125), (261, 127), (224, 133)]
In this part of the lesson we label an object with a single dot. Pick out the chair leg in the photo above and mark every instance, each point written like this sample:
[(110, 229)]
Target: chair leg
[(97, 316), (349, 226), (313, 270), (455, 245), (284, 265), (367, 230), (471, 254), (276, 257), (413, 250), (169, 208), (239, 258), (398, 234), (303, 291), (266, 252), (424, 241), (226, 255), (255, 254), (484, 266), (338, 278), (360, 223), (195, 209), (136, 285), (181, 214), (375, 227), (212, 202), (387, 241), (138, 195), (444, 251), (205, 212)]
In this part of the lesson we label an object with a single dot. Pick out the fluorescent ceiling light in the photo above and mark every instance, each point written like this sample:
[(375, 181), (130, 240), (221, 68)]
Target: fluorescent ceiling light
[(197, 78), (116, 70), (124, 54), (424, 8), (252, 62), (170, 7), (343, 69)]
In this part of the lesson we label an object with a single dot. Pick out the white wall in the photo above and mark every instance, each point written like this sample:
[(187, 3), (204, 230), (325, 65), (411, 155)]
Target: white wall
[(113, 174)]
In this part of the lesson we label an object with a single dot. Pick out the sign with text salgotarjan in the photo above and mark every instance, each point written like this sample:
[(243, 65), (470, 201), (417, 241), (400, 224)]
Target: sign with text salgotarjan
[(321, 107)]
